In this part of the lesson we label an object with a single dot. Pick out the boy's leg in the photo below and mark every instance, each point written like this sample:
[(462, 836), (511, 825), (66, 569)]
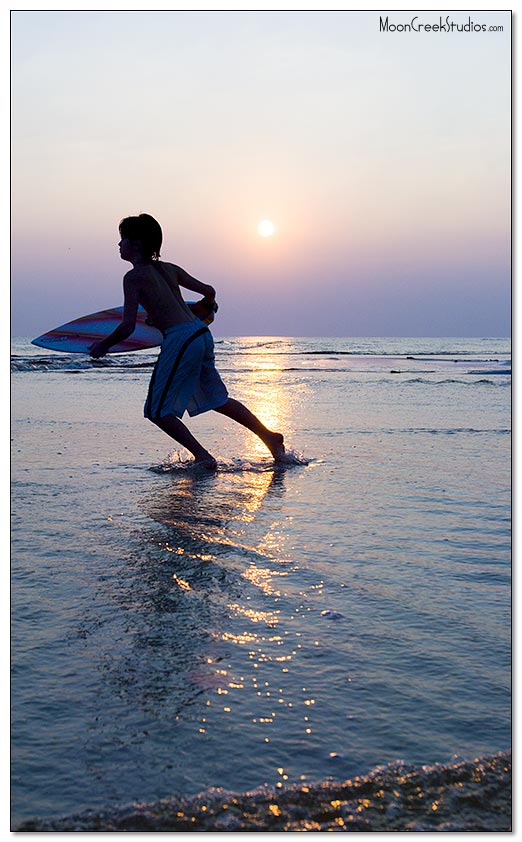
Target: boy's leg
[(238, 412), (177, 430)]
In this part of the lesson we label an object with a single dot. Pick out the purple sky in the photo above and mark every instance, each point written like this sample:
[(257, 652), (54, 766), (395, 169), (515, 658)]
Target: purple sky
[(382, 159)]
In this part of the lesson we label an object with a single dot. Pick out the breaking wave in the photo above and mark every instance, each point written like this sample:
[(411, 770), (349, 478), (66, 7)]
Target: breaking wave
[(464, 796)]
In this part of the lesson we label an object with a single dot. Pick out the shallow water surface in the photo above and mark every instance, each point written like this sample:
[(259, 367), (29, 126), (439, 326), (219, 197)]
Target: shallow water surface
[(175, 630)]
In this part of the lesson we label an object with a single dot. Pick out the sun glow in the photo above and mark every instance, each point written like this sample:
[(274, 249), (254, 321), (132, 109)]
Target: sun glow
[(266, 228)]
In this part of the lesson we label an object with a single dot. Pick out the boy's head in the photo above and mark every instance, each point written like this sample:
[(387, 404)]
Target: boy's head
[(145, 230)]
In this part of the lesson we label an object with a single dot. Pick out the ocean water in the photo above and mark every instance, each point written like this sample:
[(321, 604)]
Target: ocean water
[(174, 631)]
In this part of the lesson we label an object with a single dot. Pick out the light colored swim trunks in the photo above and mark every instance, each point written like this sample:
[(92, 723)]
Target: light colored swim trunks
[(185, 376)]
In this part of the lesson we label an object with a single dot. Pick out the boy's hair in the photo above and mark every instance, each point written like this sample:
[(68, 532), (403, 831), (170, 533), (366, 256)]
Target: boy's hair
[(145, 229)]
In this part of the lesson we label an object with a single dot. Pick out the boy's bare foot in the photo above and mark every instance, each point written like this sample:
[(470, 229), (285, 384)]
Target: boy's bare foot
[(275, 444), (208, 462)]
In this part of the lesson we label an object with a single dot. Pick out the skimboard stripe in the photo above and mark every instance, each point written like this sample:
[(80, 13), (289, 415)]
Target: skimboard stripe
[(148, 405), (75, 337)]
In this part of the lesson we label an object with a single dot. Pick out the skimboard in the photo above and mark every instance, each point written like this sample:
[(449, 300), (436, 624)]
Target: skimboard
[(75, 337)]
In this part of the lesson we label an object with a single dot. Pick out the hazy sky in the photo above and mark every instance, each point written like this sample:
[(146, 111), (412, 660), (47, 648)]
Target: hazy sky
[(382, 159)]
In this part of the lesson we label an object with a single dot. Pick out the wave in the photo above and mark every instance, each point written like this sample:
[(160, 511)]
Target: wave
[(122, 363), (428, 431), (466, 355), (453, 431), (76, 362), (462, 796), (452, 380), (492, 371)]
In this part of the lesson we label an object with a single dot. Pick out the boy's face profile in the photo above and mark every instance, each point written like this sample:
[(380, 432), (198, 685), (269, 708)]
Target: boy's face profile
[(127, 248)]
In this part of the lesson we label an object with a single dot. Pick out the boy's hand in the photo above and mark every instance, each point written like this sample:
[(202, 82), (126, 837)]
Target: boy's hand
[(98, 349), (205, 309)]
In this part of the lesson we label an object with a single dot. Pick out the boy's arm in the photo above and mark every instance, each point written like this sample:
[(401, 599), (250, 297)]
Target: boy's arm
[(128, 321), (187, 281)]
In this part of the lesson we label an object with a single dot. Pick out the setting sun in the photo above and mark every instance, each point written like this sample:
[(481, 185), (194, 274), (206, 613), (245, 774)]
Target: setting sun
[(266, 228)]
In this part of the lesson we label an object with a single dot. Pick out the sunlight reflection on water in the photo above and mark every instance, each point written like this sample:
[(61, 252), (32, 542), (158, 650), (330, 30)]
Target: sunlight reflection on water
[(174, 631)]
